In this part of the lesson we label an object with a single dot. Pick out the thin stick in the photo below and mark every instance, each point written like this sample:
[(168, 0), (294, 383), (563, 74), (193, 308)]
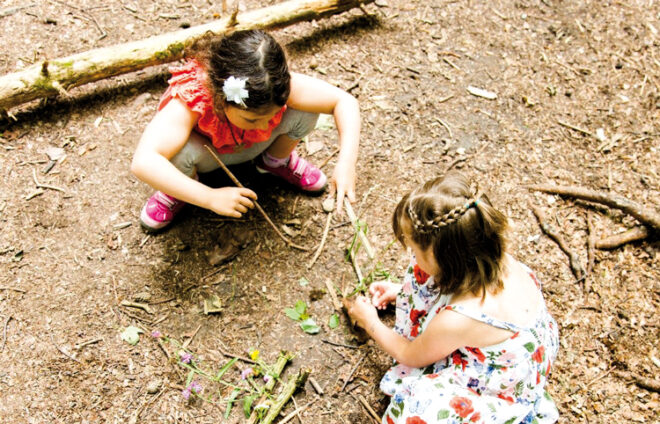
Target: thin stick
[(363, 237), (4, 333), (578, 129), (315, 385), (187, 342), (333, 295), (591, 253), (339, 344), (350, 376), (231, 355), (325, 235), (297, 411), (576, 267), (40, 185), (13, 289), (62, 351), (444, 124), (259, 208), (325, 162), (87, 343), (369, 409), (137, 305)]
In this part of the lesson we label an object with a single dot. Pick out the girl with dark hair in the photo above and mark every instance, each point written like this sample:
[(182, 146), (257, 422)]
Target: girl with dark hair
[(236, 93), (473, 341)]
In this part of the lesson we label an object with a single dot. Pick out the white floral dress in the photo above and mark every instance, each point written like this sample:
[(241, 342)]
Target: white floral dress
[(503, 383)]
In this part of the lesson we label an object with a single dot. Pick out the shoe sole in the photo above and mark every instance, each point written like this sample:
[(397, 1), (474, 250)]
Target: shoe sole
[(151, 228)]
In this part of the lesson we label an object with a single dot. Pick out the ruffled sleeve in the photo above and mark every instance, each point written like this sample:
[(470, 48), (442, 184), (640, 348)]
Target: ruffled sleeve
[(187, 85)]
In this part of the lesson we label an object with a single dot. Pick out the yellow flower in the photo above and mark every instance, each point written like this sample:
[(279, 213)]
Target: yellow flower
[(254, 355)]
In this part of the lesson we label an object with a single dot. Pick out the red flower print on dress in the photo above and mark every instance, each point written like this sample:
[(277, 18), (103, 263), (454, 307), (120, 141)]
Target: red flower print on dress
[(475, 417), (505, 397), (389, 420), (538, 377), (415, 420), (420, 275), (478, 353), (462, 406), (457, 359), (538, 355)]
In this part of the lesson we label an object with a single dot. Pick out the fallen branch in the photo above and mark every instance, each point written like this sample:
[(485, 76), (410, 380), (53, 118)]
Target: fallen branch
[(287, 391), (259, 208), (576, 267), (644, 215), (591, 254), (4, 333), (350, 376), (137, 305), (369, 409), (333, 295), (643, 382), (323, 238), (282, 360), (53, 77), (617, 240)]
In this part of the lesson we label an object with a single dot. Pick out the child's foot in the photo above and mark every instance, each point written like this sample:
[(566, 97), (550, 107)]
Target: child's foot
[(297, 171), (159, 211)]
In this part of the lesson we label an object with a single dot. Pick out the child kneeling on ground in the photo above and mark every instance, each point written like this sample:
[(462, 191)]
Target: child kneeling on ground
[(473, 341)]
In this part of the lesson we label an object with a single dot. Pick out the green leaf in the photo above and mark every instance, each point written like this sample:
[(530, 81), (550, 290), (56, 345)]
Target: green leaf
[(131, 335), (247, 405), (529, 346), (309, 326), (333, 322), (443, 413), (191, 375), (225, 368), (230, 401), (292, 313), (301, 307)]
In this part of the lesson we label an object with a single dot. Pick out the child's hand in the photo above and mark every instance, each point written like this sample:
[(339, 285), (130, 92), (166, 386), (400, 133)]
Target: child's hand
[(343, 183), (361, 311), (231, 201), (383, 293)]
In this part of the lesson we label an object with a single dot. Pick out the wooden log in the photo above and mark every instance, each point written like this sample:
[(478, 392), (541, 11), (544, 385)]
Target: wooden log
[(643, 214), (54, 77), (618, 240)]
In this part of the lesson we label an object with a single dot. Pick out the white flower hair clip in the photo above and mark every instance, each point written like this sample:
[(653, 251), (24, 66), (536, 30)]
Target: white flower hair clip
[(234, 89)]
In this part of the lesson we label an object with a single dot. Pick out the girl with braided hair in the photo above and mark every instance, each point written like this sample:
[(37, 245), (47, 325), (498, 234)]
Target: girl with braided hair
[(473, 340)]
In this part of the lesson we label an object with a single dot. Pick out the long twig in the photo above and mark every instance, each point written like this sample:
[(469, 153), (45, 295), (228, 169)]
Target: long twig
[(323, 238), (13, 289), (297, 411), (40, 185), (643, 382), (4, 333), (576, 267), (361, 234), (62, 351), (350, 376), (369, 409), (644, 215), (591, 254), (259, 208)]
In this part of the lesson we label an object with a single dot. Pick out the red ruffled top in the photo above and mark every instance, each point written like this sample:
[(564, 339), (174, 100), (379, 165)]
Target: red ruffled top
[(187, 84)]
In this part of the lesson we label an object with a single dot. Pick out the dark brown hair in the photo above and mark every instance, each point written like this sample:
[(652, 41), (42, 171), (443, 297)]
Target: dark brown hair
[(251, 54), (466, 233)]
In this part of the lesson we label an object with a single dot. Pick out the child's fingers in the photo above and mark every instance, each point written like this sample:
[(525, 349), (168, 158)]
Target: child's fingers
[(246, 192)]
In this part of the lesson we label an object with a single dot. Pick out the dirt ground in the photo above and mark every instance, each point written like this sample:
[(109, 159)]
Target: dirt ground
[(70, 257)]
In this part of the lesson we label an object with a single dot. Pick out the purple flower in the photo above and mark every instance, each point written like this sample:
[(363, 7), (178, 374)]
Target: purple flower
[(193, 387), (156, 334), (246, 373), (267, 378), (186, 358)]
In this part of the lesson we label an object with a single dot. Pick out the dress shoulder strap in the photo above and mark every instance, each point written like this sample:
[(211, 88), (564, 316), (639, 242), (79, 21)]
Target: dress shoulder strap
[(486, 319)]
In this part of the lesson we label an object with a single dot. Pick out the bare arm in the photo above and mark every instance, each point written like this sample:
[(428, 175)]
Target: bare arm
[(445, 333), (313, 95), (163, 138)]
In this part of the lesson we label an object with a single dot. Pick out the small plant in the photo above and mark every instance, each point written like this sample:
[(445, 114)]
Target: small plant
[(299, 313)]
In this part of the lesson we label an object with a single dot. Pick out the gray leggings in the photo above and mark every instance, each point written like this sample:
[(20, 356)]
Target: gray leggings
[(194, 157)]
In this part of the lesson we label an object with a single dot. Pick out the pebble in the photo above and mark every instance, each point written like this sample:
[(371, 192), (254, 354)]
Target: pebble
[(153, 386), (329, 204)]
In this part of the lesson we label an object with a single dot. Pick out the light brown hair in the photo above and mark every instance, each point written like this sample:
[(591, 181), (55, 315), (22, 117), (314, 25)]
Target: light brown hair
[(466, 233)]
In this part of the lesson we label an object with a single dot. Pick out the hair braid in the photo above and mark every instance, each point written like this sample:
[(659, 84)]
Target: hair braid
[(440, 221)]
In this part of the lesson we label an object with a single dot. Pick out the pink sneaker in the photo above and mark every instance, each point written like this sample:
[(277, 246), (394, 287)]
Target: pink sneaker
[(298, 172), (159, 211)]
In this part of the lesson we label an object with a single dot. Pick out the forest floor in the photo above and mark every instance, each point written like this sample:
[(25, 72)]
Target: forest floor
[(69, 258)]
